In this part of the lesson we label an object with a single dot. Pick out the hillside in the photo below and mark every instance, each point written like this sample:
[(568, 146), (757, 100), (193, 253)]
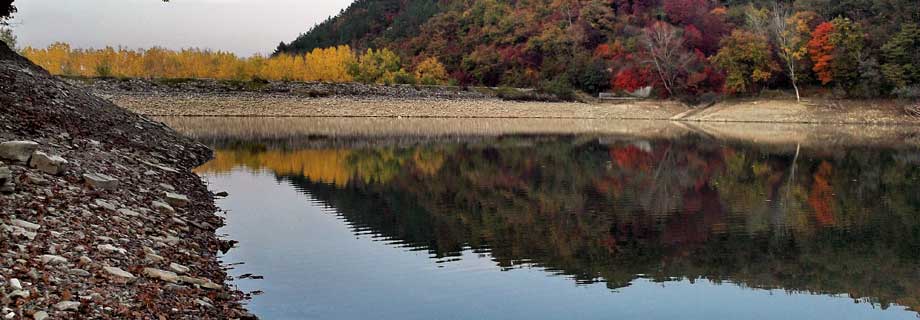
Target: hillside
[(857, 48)]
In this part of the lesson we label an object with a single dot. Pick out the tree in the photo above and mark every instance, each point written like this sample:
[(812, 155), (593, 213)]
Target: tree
[(791, 41), (745, 57), (431, 72), (664, 48), (902, 56), (7, 9), (849, 54), (7, 36), (821, 50), (376, 66)]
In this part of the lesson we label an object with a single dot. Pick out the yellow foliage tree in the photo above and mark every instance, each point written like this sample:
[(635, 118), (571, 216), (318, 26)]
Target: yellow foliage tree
[(431, 72), (331, 64)]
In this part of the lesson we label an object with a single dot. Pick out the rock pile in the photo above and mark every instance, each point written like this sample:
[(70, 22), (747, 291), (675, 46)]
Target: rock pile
[(78, 225)]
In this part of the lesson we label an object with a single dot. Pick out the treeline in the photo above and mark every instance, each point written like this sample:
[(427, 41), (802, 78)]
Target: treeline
[(854, 48), (333, 64)]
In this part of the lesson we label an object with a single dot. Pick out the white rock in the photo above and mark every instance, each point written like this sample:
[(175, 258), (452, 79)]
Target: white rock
[(202, 282), (106, 205), (129, 212), (119, 274), (17, 150), (5, 173), (51, 259), (176, 200), (79, 272), (100, 181), (15, 284), (25, 224), (162, 207), (164, 275), (111, 249), (178, 268), (53, 165), (67, 305), (41, 315), (19, 294)]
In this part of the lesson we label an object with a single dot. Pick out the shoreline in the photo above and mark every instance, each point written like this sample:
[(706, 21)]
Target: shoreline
[(212, 98), (333, 132)]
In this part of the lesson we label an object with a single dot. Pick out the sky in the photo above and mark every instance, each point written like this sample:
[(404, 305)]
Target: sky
[(244, 27)]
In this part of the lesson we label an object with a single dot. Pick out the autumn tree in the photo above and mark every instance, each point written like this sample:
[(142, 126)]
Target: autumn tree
[(378, 66), (821, 50), (789, 32), (747, 60), (664, 48), (431, 72)]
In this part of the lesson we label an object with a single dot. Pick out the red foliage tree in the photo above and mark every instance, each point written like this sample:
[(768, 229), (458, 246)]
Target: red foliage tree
[(821, 50), (685, 11), (630, 79)]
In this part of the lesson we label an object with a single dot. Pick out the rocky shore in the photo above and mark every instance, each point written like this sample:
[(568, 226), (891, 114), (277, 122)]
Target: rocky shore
[(100, 214)]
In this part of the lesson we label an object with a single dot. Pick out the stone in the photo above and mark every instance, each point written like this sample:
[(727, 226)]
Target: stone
[(25, 224), (41, 315), (176, 200), (222, 194), (111, 249), (17, 150), (100, 181), (79, 272), (201, 282), (51, 259), (19, 294), (178, 268), (129, 212), (85, 260), (67, 306), (118, 274), (164, 275), (53, 165), (162, 207), (106, 205), (15, 284), (167, 187), (5, 174)]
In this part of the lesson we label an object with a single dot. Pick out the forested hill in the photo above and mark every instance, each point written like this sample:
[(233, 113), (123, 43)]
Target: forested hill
[(678, 47), (367, 23)]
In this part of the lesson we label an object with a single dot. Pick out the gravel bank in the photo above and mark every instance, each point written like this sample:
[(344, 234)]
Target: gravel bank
[(285, 99), (100, 214)]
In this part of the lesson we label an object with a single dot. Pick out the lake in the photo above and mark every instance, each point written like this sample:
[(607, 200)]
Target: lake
[(378, 219)]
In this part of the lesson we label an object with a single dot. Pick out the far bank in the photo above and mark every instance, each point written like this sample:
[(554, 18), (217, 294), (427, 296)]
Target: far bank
[(296, 99)]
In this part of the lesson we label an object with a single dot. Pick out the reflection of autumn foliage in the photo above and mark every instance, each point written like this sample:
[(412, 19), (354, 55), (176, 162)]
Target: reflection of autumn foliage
[(327, 166), (821, 197), (632, 158), (611, 211)]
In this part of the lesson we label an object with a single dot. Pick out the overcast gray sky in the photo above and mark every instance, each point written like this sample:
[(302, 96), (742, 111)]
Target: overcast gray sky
[(241, 26)]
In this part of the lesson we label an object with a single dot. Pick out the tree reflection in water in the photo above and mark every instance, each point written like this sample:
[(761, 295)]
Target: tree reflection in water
[(829, 221)]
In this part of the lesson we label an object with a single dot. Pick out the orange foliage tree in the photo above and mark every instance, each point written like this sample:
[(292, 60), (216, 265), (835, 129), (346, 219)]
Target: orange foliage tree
[(821, 50)]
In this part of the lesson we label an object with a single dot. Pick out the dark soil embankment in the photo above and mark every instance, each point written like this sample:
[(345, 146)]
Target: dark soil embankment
[(123, 230)]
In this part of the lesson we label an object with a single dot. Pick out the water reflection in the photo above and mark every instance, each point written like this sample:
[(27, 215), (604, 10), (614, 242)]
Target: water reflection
[(609, 211)]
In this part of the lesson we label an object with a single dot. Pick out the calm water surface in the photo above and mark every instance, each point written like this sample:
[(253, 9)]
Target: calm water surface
[(570, 227)]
